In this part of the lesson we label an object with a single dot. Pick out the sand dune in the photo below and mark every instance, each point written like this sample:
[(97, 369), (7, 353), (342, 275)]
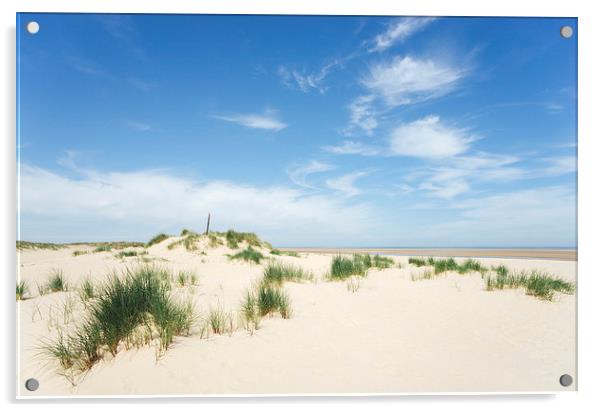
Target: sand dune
[(392, 335)]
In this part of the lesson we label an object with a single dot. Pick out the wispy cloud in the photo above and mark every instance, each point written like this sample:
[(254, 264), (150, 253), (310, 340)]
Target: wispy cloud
[(346, 184), (349, 147), (429, 138), (362, 115), (147, 199), (299, 173), (398, 31), (560, 165), (530, 217), (87, 67), (68, 158), (266, 121), (409, 80), (305, 82), (119, 26), (139, 126)]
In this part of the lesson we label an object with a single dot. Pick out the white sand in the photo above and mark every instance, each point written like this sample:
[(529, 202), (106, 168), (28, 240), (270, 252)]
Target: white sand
[(392, 335)]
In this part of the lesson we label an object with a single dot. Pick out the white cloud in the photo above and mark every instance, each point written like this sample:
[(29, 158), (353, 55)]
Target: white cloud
[(305, 82), (408, 80), (346, 184), (99, 203), (362, 115), (532, 217), (447, 189), (349, 147), (266, 121), (298, 173), (560, 165), (139, 126), (398, 31), (428, 138)]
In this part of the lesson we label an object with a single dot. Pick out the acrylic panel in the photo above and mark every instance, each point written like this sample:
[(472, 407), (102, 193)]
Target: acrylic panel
[(287, 205)]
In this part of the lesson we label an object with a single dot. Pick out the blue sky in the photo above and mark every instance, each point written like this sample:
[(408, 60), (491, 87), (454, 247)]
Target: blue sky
[(323, 130)]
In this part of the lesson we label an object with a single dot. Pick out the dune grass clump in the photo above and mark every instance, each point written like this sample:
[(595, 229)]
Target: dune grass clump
[(278, 252), (79, 253), (271, 298), (186, 278), (279, 273), (130, 253), (103, 248), (57, 281), (86, 290), (249, 312), (418, 262), (22, 244), (342, 268), (471, 265), (445, 265), (122, 306), (189, 241), (214, 240), (536, 283), (425, 274), (22, 290), (220, 321), (249, 255), (233, 238), (382, 262), (157, 239)]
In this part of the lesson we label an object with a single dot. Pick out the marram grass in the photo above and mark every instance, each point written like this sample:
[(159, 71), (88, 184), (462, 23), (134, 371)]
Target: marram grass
[(57, 281), (22, 290), (249, 255), (536, 283), (122, 305), (279, 273)]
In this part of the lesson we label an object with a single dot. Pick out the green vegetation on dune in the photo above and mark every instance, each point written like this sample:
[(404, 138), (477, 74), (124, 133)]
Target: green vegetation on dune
[(22, 244), (249, 255), (279, 273), (139, 299), (233, 239), (22, 290), (157, 239), (278, 252), (57, 281), (342, 267), (536, 283)]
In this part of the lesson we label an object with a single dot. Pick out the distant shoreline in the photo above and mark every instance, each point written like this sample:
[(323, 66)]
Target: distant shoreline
[(529, 253)]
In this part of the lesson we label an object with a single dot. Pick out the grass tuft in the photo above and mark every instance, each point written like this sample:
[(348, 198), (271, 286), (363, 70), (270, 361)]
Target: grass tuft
[(57, 281), (220, 322), (536, 283), (233, 238), (250, 312), (139, 298), (86, 290), (157, 239), (248, 255), (418, 261), (279, 273), (22, 290), (342, 268), (278, 252), (79, 252), (271, 298)]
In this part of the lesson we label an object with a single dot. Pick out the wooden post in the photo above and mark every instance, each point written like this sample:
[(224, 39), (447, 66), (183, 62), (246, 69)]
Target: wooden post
[(208, 221)]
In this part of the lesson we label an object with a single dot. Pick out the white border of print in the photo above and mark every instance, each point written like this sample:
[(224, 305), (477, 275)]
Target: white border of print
[(589, 193)]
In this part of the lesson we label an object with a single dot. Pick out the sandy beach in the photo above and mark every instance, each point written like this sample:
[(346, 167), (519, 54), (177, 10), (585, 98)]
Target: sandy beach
[(387, 332)]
